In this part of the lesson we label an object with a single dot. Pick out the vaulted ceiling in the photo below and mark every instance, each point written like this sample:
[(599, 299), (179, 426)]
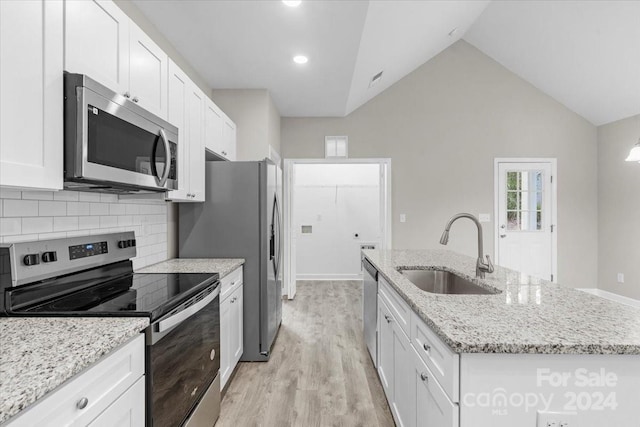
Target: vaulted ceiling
[(585, 54)]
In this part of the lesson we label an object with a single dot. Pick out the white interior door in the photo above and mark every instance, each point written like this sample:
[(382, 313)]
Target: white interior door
[(526, 205)]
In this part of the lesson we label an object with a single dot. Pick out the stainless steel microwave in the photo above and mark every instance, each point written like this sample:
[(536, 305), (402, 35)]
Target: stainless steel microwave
[(113, 145)]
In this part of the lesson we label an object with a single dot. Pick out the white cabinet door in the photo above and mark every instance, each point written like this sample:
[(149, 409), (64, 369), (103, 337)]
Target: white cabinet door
[(229, 137), (214, 127), (127, 411), (195, 129), (432, 407), (177, 116), (147, 72), (385, 349), (97, 42), (237, 314), (31, 83), (225, 341), (404, 393)]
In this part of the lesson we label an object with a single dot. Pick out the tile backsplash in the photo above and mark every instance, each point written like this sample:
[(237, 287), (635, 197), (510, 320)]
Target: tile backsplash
[(39, 215)]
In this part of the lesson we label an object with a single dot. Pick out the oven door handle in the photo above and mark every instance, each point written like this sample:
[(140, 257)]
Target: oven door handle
[(183, 315)]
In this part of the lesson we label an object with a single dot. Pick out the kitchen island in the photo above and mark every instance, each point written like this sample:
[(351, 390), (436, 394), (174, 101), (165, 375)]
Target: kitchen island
[(528, 351)]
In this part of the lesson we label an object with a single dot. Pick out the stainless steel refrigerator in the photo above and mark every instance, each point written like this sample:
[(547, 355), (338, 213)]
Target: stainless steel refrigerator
[(241, 218)]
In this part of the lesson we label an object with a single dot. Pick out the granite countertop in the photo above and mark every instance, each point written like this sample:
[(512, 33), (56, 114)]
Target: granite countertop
[(37, 354), (529, 315), (222, 266)]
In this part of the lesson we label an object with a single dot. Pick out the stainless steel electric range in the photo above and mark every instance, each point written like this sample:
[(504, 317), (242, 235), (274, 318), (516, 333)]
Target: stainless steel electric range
[(93, 276)]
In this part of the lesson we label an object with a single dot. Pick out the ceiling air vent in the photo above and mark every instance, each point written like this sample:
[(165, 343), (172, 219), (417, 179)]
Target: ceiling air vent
[(375, 79)]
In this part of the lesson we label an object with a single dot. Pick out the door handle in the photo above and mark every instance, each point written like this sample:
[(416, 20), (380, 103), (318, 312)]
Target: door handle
[(502, 236), (167, 163)]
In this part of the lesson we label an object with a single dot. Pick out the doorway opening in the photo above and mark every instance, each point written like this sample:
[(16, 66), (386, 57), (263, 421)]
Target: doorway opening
[(333, 209), (526, 235)]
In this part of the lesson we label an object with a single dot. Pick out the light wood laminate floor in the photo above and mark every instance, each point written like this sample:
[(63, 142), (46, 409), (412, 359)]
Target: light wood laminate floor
[(319, 374)]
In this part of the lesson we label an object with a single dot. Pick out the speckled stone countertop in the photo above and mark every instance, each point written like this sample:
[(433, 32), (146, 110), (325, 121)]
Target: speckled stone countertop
[(529, 315), (222, 266), (37, 354)]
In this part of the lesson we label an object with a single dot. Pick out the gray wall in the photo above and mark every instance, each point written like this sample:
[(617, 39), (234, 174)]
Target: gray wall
[(256, 118), (442, 126), (619, 208)]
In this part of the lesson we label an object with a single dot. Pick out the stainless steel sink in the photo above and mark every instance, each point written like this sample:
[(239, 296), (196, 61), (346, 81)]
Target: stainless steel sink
[(443, 282)]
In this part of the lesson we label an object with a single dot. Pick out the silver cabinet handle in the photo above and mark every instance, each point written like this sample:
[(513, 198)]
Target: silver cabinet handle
[(82, 403), (127, 95), (426, 347), (135, 99), (387, 318), (424, 377)]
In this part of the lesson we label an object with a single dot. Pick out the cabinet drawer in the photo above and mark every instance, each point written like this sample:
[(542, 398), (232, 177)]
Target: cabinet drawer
[(433, 406), (127, 411), (101, 385), (399, 308), (230, 282), (443, 363)]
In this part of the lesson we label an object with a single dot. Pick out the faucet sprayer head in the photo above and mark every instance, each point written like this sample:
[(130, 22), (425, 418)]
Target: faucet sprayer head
[(445, 237)]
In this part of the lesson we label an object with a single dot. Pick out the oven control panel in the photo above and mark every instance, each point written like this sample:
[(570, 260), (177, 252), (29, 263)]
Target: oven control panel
[(39, 260), (88, 249)]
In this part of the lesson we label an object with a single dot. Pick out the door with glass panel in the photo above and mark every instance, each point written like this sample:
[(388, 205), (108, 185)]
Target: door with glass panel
[(524, 218)]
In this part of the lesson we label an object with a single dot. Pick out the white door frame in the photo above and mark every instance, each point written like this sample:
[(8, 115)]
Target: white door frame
[(554, 206), (288, 177)]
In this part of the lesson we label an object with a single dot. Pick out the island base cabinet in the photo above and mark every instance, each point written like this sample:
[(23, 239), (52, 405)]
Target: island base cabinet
[(432, 406), (586, 390)]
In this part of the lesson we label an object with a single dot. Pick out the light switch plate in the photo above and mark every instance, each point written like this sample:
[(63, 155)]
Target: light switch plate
[(484, 217), (403, 217), (620, 277)]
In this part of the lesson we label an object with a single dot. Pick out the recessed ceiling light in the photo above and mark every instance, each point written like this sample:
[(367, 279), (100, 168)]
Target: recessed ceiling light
[(292, 3), (300, 59)]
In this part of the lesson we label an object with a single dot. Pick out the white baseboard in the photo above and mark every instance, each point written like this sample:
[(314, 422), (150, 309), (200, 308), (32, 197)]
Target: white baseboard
[(612, 296), (329, 276)]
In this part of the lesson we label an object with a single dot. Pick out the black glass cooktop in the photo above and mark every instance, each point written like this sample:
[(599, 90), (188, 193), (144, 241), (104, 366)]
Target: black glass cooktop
[(152, 295)]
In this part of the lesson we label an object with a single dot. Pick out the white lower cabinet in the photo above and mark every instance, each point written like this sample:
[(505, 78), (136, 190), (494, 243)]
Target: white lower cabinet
[(111, 392), (231, 324), (414, 393)]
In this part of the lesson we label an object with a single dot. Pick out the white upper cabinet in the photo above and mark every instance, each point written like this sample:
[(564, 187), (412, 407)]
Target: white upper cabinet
[(147, 72), (195, 130), (103, 43), (31, 83), (229, 138), (177, 116), (186, 112), (220, 132), (97, 42), (214, 127)]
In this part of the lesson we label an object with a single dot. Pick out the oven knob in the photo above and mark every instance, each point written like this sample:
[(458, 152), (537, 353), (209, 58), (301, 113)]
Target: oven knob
[(123, 244), (131, 242), (213, 354), (49, 256), (31, 259)]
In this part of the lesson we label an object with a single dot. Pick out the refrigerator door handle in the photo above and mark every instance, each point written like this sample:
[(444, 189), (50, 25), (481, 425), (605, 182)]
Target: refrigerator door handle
[(279, 251)]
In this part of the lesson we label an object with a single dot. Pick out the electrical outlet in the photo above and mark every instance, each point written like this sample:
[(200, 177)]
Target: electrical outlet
[(620, 277), (403, 217)]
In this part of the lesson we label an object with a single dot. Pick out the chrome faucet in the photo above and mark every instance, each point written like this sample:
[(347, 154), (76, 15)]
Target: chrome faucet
[(481, 266)]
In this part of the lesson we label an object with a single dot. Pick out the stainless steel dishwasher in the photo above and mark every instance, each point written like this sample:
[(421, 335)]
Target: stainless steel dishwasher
[(370, 309)]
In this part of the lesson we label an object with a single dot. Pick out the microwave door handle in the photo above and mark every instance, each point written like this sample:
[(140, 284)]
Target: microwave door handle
[(180, 317), (167, 166)]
